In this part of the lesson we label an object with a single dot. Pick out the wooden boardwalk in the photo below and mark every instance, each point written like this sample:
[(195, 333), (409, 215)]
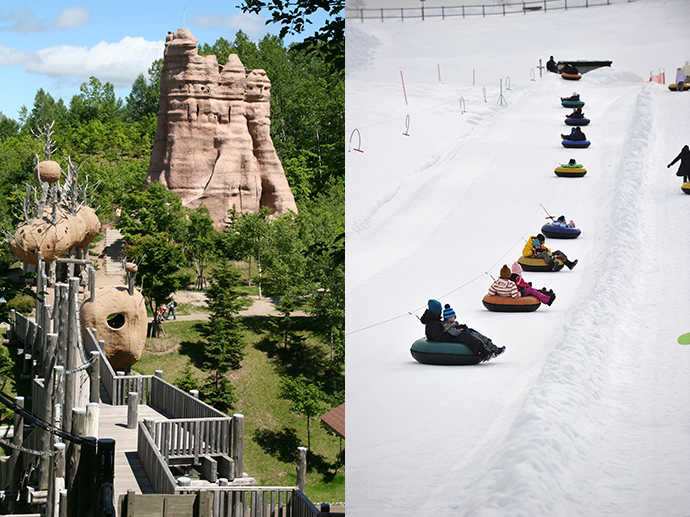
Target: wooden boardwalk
[(112, 423)]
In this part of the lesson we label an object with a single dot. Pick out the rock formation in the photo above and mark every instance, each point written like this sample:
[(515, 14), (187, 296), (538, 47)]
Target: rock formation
[(213, 143)]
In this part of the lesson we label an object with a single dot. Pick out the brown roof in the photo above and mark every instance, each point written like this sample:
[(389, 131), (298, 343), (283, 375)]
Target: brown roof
[(335, 420)]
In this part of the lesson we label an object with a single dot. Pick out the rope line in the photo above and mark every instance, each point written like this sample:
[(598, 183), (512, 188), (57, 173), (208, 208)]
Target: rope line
[(522, 238)]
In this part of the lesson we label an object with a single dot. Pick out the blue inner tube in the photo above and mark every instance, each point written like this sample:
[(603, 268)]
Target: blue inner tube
[(576, 121), (572, 104), (436, 352), (574, 144), (553, 231)]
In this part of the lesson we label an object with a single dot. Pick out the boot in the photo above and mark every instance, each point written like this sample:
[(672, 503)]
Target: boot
[(554, 265), (551, 299), (571, 264)]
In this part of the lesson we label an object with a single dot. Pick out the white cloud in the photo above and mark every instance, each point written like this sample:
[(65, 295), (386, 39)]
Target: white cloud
[(253, 25), (72, 18), (118, 63)]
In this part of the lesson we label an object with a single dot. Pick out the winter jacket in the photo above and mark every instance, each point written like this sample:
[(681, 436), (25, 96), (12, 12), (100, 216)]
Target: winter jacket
[(684, 157), (576, 114), (680, 76), (434, 327), (504, 287), (551, 66), (576, 135), (527, 250)]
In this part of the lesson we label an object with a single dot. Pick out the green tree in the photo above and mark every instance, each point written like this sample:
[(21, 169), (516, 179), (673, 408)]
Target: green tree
[(200, 242), (8, 127), (244, 236), (293, 16), (188, 381), (97, 101), (44, 111), (144, 98), (306, 398), (225, 342)]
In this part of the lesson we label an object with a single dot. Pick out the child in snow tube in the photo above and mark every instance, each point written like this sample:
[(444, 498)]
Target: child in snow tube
[(576, 135), (449, 330), (535, 248), (526, 289)]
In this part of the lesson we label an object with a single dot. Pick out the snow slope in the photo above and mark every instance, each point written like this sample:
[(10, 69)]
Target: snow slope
[(586, 412)]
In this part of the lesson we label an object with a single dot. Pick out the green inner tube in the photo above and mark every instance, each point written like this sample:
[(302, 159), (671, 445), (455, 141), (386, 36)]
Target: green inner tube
[(436, 352)]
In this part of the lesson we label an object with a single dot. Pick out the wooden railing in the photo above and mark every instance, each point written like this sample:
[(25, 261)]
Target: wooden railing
[(179, 404), (402, 13), (193, 437), (153, 463)]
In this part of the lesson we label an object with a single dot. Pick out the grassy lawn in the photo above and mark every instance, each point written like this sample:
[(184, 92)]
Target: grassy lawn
[(272, 431)]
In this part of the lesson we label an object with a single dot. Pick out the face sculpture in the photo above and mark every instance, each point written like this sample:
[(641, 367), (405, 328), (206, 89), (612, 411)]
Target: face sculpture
[(120, 321)]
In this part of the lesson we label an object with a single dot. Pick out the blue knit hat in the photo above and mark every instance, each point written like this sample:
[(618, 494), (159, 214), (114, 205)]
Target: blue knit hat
[(448, 312), (435, 306)]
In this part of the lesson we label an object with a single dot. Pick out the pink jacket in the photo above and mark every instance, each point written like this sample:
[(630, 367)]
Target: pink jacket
[(504, 287)]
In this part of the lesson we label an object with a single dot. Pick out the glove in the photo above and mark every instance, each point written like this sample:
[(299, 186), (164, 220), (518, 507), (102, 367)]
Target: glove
[(668, 166), (530, 284), (462, 326)]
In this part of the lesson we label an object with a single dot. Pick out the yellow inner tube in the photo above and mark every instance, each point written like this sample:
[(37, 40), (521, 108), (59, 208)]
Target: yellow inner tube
[(573, 170)]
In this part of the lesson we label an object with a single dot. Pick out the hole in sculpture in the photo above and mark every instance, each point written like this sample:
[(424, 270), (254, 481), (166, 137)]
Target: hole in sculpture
[(115, 321)]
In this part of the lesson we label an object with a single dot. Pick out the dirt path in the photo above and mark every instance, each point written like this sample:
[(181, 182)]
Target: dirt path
[(193, 302)]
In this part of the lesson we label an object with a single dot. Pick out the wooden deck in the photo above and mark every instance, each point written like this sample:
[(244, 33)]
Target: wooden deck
[(129, 474)]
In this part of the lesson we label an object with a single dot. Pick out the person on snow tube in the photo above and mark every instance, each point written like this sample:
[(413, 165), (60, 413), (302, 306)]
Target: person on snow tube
[(577, 113), (436, 331), (526, 289), (570, 69), (535, 248), (574, 97), (575, 135)]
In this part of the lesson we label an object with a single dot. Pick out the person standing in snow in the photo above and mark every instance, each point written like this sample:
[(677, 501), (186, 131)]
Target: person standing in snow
[(551, 65), (684, 169), (435, 331), (680, 79), (535, 248)]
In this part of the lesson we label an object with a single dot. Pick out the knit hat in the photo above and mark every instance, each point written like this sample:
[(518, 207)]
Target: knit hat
[(562, 218), (516, 269), (435, 306), (448, 312), (572, 161), (505, 271), (541, 238)]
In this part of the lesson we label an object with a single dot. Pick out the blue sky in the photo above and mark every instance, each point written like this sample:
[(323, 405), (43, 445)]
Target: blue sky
[(58, 45)]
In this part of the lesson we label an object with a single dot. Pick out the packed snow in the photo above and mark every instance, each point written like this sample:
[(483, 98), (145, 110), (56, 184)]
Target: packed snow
[(586, 413)]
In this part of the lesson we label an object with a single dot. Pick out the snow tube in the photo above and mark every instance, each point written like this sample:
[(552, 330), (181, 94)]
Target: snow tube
[(571, 77), (576, 121), (436, 352), (538, 264), (553, 231), (508, 304), (674, 87), (570, 172), (685, 187), (572, 104), (575, 144)]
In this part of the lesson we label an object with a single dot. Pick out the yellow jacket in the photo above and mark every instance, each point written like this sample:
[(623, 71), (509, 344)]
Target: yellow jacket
[(527, 250)]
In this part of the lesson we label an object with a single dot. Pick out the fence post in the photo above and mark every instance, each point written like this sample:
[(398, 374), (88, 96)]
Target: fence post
[(302, 468), (78, 423), (238, 444), (132, 409), (95, 376), (93, 411), (105, 477), (56, 474), (18, 440)]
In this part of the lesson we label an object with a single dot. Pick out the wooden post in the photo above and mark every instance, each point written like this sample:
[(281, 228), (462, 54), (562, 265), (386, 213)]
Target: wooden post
[(302, 468), (86, 480), (63, 502), (95, 377), (105, 477), (93, 411), (58, 395), (194, 393), (159, 374), (18, 440), (60, 322), (51, 349), (92, 283), (72, 351), (132, 409), (150, 422), (238, 444), (78, 423), (56, 474)]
